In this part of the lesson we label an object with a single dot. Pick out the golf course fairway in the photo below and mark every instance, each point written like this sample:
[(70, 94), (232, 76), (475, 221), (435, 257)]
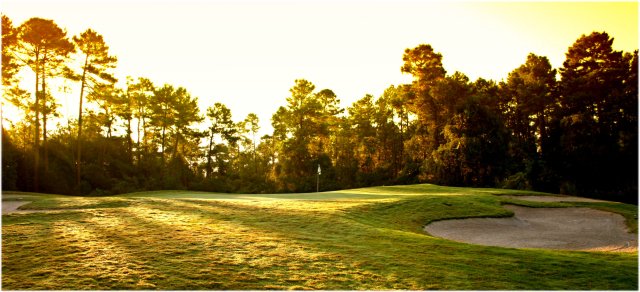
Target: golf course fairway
[(360, 239)]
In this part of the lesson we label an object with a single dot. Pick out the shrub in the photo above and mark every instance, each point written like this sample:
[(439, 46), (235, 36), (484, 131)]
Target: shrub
[(516, 181)]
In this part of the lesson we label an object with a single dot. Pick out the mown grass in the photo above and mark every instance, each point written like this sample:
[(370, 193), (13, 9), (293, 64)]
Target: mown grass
[(355, 239)]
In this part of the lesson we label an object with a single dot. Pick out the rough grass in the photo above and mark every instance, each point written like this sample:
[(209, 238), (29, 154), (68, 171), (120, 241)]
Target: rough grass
[(355, 239)]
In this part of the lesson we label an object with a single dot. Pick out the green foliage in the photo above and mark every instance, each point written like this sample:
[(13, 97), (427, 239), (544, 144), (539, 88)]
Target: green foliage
[(42, 46), (475, 148), (10, 64), (577, 135), (95, 77), (516, 181), (528, 100), (302, 132), (599, 113), (424, 64), (10, 163)]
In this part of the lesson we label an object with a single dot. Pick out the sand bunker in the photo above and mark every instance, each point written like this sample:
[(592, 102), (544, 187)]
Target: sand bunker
[(550, 228), (12, 206), (552, 199)]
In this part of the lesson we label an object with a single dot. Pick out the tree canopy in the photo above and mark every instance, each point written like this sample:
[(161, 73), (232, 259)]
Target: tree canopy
[(572, 129)]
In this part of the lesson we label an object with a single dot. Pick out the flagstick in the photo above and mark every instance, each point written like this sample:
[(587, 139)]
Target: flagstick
[(318, 179)]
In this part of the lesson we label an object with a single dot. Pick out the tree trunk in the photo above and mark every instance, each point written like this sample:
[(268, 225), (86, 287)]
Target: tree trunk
[(255, 161), (36, 142), (401, 150), (138, 147), (44, 121), (129, 140), (209, 167), (175, 150), (543, 132), (109, 121), (79, 141), (162, 146), (138, 142), (129, 131), (145, 138)]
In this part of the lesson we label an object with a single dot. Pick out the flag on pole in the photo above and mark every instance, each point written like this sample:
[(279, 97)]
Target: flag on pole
[(319, 170)]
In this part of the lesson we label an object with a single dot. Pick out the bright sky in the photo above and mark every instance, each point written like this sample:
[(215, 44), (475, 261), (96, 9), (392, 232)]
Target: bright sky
[(247, 54)]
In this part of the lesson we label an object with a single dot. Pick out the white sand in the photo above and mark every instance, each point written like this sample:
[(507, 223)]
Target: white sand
[(12, 206), (550, 228), (553, 199)]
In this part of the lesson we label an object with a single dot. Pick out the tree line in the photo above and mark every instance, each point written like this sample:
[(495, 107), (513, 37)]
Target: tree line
[(571, 130)]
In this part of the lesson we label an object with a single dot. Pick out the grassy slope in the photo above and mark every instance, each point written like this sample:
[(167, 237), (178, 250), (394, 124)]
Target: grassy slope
[(355, 239)]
